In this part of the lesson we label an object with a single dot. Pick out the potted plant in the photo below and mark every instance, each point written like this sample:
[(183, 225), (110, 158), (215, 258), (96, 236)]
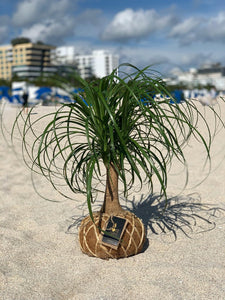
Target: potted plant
[(116, 129)]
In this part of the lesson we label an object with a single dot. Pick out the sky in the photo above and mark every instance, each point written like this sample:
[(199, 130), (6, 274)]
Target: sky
[(167, 34)]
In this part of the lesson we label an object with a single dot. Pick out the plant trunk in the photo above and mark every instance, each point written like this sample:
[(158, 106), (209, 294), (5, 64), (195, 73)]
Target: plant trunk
[(111, 203)]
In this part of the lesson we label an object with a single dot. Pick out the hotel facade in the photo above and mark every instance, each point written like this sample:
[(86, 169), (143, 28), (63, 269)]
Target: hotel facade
[(27, 60)]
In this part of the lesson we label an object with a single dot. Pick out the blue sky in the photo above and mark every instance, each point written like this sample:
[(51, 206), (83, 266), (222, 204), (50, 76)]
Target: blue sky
[(169, 34)]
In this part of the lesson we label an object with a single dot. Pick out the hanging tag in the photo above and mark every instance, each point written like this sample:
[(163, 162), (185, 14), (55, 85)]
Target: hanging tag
[(113, 232)]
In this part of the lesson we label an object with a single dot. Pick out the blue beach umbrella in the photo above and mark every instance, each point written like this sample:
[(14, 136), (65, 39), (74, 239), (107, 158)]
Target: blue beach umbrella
[(178, 95), (43, 92), (4, 92)]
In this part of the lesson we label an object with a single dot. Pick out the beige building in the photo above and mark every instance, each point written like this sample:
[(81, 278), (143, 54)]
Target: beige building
[(26, 60)]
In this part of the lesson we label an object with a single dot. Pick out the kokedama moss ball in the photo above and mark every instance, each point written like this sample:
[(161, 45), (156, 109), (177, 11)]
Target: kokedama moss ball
[(131, 243)]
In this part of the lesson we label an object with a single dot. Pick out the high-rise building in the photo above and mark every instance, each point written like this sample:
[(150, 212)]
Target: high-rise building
[(6, 59), (99, 63), (64, 55), (104, 62), (27, 60)]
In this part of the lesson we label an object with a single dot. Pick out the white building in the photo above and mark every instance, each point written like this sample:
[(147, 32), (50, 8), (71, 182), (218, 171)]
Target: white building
[(84, 65), (99, 63), (212, 74), (64, 55), (104, 62)]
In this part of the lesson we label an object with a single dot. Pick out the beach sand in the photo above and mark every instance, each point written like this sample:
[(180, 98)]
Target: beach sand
[(184, 258)]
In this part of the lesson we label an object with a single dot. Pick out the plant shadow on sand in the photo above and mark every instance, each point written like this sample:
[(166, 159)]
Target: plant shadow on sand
[(179, 214), (184, 214)]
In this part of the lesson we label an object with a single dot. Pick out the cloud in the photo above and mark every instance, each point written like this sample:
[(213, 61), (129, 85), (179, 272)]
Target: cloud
[(200, 29), (129, 24), (186, 31), (51, 32), (195, 59), (216, 28), (30, 12), (49, 21)]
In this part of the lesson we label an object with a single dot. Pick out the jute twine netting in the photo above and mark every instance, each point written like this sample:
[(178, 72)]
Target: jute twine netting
[(131, 243)]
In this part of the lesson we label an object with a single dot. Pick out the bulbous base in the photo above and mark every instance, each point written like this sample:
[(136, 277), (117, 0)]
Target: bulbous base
[(90, 236)]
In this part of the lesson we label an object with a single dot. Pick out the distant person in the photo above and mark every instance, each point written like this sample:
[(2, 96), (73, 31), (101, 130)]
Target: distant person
[(25, 101)]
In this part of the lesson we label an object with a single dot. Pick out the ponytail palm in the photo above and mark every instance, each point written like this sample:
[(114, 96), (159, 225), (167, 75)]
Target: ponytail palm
[(115, 122), (115, 129)]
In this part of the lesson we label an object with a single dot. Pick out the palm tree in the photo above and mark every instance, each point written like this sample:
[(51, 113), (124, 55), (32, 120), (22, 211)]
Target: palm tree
[(118, 125)]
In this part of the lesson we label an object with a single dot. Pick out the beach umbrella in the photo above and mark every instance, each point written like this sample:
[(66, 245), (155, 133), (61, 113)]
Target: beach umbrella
[(4, 93), (43, 92)]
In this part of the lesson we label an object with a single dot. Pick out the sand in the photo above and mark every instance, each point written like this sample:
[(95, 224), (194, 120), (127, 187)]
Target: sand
[(183, 259)]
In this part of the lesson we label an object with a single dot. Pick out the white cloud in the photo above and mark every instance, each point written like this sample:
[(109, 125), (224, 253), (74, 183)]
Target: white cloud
[(216, 27), (136, 25), (186, 27), (30, 12), (200, 29), (130, 24), (49, 21), (51, 31), (187, 31)]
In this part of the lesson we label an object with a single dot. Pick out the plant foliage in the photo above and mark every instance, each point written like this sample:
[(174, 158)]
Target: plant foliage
[(116, 120), (20, 40)]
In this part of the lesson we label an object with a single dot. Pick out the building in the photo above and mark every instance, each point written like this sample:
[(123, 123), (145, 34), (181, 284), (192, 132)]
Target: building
[(27, 60), (64, 55), (99, 63), (31, 60), (104, 63), (208, 74), (6, 58)]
